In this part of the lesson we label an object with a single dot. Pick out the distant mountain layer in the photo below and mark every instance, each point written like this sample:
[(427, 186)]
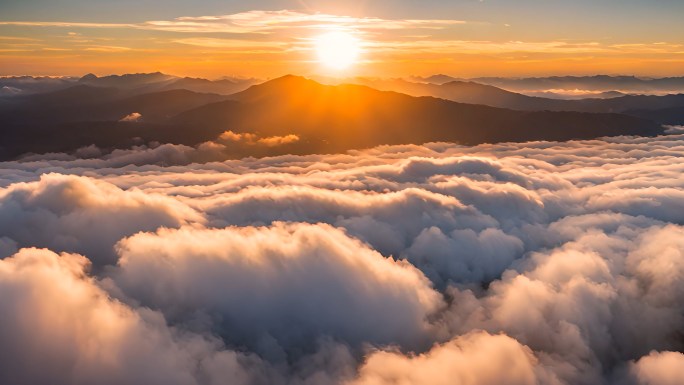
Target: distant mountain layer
[(16, 85), (475, 93), (589, 83), (150, 82), (131, 83), (324, 118)]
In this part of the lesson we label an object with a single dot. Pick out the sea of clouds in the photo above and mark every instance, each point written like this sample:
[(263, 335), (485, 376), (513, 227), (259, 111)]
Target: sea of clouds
[(536, 263)]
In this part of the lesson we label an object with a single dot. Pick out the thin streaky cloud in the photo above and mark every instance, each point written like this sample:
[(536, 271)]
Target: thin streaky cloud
[(17, 38), (256, 22), (66, 24), (288, 26), (492, 47), (230, 43)]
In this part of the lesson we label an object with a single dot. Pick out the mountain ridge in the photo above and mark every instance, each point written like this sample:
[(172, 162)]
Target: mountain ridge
[(324, 118)]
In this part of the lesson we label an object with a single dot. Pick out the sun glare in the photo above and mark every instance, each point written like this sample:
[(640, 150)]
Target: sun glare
[(337, 50)]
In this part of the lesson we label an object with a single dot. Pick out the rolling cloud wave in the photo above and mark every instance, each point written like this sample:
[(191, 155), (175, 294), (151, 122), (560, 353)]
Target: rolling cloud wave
[(534, 263)]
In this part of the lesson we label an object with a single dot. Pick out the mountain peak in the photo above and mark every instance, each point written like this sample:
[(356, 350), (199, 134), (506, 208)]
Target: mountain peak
[(88, 78), (439, 79), (289, 78), (288, 81), (284, 85)]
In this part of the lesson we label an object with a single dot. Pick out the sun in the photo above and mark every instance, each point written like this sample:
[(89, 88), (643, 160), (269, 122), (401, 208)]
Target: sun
[(338, 50)]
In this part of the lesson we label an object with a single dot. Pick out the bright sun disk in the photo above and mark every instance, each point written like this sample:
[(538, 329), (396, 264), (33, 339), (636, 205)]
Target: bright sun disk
[(337, 50)]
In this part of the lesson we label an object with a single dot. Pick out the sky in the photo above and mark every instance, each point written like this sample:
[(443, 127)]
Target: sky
[(268, 38)]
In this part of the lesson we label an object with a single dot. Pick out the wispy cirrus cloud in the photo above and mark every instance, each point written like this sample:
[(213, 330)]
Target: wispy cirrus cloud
[(16, 39), (66, 24), (260, 22), (107, 48), (209, 42), (288, 27), (274, 42), (485, 46)]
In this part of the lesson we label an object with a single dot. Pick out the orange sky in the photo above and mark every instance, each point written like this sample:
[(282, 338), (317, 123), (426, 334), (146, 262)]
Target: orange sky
[(271, 43)]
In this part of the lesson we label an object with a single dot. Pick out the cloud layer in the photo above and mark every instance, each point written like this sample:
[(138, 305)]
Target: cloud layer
[(535, 263)]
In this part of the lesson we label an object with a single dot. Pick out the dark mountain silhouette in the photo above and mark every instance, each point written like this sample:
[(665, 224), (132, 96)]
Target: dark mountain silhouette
[(325, 118), (88, 103), (475, 93), (335, 118), (65, 120), (153, 107), (671, 116), (622, 104), (80, 94), (58, 106)]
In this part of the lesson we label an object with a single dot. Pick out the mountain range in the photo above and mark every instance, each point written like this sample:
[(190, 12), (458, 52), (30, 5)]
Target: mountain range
[(476, 93), (336, 118), (121, 111), (130, 83), (587, 83)]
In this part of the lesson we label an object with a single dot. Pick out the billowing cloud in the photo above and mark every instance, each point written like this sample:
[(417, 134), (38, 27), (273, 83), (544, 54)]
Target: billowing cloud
[(663, 368), (57, 319), (251, 279), (84, 215), (559, 262), (477, 358), (150, 154)]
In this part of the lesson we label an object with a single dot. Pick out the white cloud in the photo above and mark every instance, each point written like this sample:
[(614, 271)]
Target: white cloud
[(477, 358), (416, 263), (84, 215), (251, 279), (64, 329), (659, 368)]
